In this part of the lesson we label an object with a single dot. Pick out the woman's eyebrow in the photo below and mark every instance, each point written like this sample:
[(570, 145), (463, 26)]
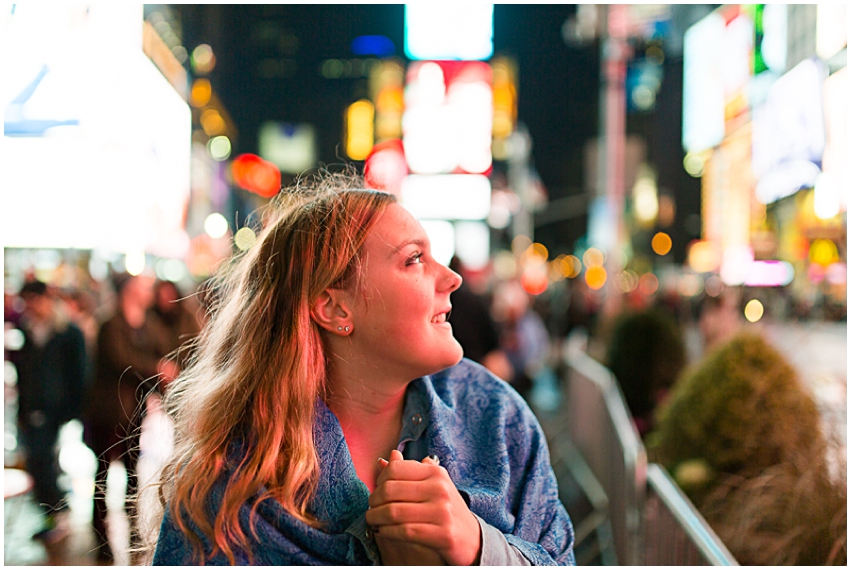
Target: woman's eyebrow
[(401, 246)]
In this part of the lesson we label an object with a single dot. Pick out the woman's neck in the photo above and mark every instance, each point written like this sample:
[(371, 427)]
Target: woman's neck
[(371, 421)]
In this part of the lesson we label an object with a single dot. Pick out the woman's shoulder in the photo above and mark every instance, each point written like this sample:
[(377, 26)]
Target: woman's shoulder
[(469, 385)]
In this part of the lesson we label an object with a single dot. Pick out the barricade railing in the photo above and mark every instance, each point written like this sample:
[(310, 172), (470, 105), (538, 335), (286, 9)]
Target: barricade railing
[(626, 512), (599, 426), (675, 533)]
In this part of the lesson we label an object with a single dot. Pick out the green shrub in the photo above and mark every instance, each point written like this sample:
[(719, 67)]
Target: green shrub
[(743, 438)]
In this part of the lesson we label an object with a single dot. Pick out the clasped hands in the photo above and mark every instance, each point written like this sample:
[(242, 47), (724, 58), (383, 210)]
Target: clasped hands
[(419, 517)]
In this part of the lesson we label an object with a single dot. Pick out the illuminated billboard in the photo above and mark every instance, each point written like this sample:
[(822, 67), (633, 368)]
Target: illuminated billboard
[(97, 143), (789, 133), (448, 121), (456, 31)]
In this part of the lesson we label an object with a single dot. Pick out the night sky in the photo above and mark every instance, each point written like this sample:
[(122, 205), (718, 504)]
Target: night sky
[(558, 88)]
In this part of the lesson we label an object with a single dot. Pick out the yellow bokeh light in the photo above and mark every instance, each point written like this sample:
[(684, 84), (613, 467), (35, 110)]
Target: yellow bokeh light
[(694, 164), (593, 257), (202, 92), (212, 122), (245, 238), (823, 252), (661, 243), (535, 254), (571, 266), (541, 250), (704, 256), (360, 121), (754, 310), (627, 281), (595, 277), (554, 270)]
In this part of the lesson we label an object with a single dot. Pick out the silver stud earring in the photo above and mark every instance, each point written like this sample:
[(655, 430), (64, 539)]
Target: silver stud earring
[(347, 329), (339, 328)]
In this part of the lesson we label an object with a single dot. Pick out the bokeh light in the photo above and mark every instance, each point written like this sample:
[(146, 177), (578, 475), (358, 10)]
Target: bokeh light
[(219, 148), (534, 280), (535, 254), (134, 262), (254, 174), (212, 122), (215, 225), (554, 270), (171, 270), (714, 286), (823, 252), (661, 243), (704, 256), (754, 310), (837, 274), (690, 285), (520, 244), (203, 59), (593, 257), (627, 281), (571, 266), (595, 277), (245, 238), (201, 92), (694, 164), (648, 284), (360, 133), (504, 265)]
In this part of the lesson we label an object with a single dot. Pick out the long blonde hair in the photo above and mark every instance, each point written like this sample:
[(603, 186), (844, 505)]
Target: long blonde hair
[(259, 364)]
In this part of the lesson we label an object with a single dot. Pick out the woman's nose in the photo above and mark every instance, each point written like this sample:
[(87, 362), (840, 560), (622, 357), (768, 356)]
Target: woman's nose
[(451, 281)]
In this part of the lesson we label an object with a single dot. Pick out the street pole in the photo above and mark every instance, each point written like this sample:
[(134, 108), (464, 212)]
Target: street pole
[(615, 53)]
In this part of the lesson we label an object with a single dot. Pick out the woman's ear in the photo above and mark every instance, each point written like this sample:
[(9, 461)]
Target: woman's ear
[(331, 312)]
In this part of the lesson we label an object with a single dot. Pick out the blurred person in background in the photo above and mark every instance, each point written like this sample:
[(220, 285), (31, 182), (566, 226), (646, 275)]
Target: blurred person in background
[(128, 366), (82, 305), (523, 335), (328, 408), (52, 370), (646, 353), (174, 318), (474, 328)]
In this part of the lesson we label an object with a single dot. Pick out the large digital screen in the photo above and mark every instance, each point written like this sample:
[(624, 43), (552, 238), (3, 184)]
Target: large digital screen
[(97, 143)]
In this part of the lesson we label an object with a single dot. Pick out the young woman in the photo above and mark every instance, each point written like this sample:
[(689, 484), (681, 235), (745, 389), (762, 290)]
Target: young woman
[(327, 416)]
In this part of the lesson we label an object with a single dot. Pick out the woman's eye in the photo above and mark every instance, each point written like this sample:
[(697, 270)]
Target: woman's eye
[(416, 258)]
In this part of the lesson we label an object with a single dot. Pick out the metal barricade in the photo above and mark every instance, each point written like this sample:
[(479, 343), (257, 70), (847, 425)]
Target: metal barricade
[(600, 427), (675, 533), (632, 513)]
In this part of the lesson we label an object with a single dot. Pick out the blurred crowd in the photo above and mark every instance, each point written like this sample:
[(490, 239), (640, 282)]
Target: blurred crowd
[(95, 353)]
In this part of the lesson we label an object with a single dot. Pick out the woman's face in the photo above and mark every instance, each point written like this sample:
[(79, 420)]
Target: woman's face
[(399, 318)]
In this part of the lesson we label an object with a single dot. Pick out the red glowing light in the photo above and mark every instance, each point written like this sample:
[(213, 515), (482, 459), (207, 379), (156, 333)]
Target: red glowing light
[(534, 282), (385, 167), (254, 174)]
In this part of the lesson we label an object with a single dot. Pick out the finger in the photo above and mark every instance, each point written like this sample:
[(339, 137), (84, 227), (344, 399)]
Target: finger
[(410, 470), (431, 460), (396, 455), (405, 513), (382, 463), (400, 491)]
